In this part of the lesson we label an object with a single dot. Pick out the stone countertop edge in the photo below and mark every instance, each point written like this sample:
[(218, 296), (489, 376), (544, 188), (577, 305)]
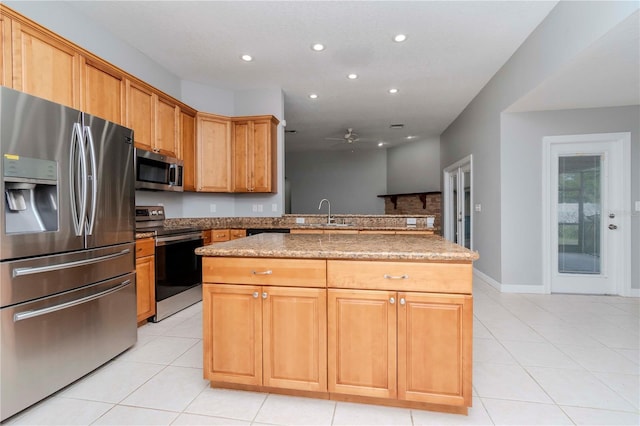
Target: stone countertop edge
[(353, 247)]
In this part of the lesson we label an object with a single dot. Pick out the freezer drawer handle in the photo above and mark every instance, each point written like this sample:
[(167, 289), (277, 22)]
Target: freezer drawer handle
[(19, 272), (31, 314)]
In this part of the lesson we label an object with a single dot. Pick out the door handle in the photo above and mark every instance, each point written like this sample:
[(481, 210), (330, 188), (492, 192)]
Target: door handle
[(612, 226)]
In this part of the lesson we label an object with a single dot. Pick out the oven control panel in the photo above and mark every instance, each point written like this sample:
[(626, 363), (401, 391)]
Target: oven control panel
[(149, 213)]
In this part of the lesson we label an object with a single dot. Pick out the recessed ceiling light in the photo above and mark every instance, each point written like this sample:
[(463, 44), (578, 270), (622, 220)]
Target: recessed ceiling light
[(393, 91), (352, 76), (318, 47), (399, 38), (247, 58), (313, 96), (380, 143), (411, 137)]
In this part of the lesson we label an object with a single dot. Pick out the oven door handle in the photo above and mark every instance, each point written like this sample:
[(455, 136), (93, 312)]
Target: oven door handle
[(164, 241)]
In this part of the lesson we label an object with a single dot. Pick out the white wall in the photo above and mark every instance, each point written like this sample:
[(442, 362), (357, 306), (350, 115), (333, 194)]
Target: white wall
[(568, 29), (414, 167), (522, 135), (352, 181)]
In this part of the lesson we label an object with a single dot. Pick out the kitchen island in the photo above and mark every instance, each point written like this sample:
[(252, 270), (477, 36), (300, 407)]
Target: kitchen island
[(383, 319)]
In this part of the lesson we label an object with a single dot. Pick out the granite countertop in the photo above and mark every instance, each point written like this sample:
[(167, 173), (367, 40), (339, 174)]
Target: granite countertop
[(343, 246)]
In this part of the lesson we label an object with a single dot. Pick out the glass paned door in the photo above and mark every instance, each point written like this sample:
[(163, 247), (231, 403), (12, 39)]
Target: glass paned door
[(458, 199), (579, 214)]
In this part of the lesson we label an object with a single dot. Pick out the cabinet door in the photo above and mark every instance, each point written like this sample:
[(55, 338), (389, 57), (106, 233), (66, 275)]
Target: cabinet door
[(103, 91), (295, 338), (167, 116), (262, 156), (5, 52), (188, 141), (145, 287), (362, 342), (242, 139), (213, 153), (232, 333), (434, 348), (140, 114), (44, 66)]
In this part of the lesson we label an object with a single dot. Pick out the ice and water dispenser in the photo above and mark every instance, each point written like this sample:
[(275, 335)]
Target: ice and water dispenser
[(31, 194)]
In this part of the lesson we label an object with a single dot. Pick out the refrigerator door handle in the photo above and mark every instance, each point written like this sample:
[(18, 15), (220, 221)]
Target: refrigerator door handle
[(93, 177), (20, 272), (31, 314), (78, 163)]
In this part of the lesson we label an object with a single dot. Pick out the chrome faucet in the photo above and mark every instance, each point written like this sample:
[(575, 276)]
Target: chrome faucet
[(329, 218)]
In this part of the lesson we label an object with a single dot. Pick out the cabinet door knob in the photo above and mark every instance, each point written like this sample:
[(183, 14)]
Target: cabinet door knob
[(402, 301), (255, 294), (264, 295), (392, 300)]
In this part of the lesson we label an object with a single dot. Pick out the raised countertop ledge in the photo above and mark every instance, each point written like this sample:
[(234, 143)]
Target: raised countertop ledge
[(341, 246)]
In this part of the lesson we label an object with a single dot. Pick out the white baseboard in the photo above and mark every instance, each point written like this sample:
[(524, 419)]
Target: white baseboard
[(509, 288), (634, 292)]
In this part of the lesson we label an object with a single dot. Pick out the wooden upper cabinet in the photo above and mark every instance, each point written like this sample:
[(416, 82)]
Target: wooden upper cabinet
[(255, 154), (188, 142), (140, 107), (44, 65), (213, 148), (5, 52), (167, 119), (103, 90)]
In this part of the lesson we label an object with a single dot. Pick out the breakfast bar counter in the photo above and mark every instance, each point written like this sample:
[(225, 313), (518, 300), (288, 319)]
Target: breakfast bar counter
[(381, 319)]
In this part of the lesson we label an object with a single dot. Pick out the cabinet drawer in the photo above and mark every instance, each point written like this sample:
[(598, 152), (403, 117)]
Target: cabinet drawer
[(265, 271), (145, 247), (404, 276), (237, 233), (218, 235)]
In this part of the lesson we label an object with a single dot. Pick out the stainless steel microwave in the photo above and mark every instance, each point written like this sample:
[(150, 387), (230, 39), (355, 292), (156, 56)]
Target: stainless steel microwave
[(158, 172)]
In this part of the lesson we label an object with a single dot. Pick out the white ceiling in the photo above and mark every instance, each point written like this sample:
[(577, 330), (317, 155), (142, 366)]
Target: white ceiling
[(452, 50)]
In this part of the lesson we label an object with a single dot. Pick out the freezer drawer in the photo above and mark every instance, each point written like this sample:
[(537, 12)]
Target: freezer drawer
[(49, 343), (33, 278)]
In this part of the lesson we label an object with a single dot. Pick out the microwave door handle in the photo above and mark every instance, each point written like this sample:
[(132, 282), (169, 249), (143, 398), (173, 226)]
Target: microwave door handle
[(173, 174), (94, 180), (77, 165)]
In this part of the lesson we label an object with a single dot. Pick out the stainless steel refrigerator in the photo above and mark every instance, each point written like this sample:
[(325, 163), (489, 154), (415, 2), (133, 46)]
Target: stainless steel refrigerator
[(67, 249)]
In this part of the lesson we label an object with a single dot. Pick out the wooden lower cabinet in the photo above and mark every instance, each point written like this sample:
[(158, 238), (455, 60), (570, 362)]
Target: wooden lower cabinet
[(379, 332), (145, 278), (265, 336), (404, 345), (362, 343)]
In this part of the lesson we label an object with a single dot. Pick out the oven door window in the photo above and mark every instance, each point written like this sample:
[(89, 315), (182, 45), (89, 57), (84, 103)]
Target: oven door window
[(178, 268)]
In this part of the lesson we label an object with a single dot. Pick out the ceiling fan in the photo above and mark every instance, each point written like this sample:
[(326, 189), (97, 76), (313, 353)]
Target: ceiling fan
[(349, 137)]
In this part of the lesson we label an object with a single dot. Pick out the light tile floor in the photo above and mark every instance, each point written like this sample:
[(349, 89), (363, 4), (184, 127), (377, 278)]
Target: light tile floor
[(538, 359)]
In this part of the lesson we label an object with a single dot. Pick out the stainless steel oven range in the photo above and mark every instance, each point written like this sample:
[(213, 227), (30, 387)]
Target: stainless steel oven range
[(178, 269)]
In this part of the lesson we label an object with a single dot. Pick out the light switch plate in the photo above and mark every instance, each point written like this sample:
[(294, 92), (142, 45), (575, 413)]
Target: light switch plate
[(299, 220), (478, 207), (411, 221)]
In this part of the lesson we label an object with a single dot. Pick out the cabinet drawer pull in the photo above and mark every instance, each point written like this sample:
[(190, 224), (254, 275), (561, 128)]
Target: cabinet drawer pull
[(267, 272), (396, 277)]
